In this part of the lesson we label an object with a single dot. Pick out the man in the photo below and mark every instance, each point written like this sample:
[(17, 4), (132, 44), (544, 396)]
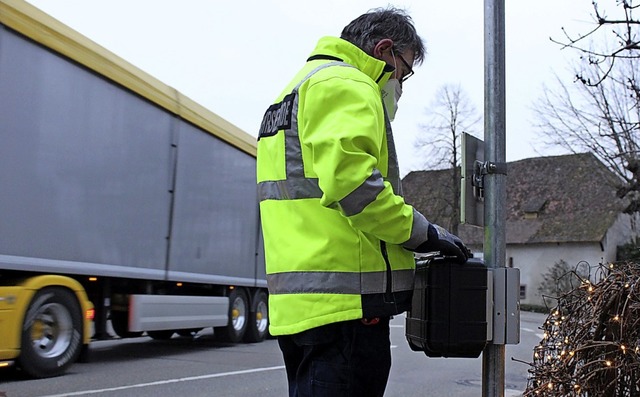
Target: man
[(338, 235)]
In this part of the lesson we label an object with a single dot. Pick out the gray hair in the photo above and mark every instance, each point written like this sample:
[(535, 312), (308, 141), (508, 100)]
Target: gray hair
[(385, 23)]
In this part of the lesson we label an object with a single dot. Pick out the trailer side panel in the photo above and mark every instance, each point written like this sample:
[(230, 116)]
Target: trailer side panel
[(85, 165)]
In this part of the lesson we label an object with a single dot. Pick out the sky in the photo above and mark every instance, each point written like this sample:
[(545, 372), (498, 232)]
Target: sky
[(234, 57)]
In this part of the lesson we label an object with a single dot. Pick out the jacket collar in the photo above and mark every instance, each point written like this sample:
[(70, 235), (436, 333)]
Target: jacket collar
[(337, 49)]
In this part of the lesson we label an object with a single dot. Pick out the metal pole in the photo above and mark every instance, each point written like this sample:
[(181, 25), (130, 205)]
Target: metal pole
[(493, 356)]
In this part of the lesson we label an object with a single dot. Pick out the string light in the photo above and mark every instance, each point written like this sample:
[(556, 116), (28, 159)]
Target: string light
[(581, 342)]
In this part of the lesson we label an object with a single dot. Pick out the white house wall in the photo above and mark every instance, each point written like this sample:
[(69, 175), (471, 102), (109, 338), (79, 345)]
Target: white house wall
[(534, 260), (623, 231)]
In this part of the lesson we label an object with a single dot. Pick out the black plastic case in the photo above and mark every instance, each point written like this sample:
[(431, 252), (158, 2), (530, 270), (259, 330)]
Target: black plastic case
[(448, 317)]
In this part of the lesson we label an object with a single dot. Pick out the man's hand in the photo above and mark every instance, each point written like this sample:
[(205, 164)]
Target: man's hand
[(439, 239)]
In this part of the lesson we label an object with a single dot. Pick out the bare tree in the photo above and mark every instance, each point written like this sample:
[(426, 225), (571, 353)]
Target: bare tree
[(616, 28), (603, 119), (450, 114), (601, 113)]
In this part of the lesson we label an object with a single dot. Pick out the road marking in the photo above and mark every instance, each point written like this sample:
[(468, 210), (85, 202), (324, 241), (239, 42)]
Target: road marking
[(396, 326), (167, 381)]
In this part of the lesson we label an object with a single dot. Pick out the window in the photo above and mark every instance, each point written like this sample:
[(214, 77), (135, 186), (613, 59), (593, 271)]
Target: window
[(523, 291)]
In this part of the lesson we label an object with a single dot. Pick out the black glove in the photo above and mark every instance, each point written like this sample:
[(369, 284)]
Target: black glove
[(439, 239)]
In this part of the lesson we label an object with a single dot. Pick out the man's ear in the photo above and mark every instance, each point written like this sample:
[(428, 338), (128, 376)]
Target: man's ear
[(382, 46)]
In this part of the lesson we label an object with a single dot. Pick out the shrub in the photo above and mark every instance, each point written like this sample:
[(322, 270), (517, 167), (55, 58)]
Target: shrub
[(591, 343)]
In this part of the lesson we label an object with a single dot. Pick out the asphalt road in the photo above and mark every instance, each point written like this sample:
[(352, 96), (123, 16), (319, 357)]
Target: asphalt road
[(187, 367)]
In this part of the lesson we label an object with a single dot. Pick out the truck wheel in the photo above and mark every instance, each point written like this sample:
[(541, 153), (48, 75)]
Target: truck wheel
[(258, 326), (237, 326), (51, 333)]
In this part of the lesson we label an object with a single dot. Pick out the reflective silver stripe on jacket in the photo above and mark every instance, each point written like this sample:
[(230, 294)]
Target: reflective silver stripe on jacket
[(356, 201), (419, 230), (289, 189), (338, 282)]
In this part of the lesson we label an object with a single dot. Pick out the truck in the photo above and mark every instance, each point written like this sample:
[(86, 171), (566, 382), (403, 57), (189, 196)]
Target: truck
[(126, 208)]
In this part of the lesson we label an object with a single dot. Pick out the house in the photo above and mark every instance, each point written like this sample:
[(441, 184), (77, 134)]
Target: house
[(558, 208)]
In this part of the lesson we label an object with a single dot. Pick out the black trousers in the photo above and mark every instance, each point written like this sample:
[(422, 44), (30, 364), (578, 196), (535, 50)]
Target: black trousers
[(346, 359)]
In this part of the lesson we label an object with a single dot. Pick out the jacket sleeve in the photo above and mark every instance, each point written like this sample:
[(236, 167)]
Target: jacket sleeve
[(342, 125)]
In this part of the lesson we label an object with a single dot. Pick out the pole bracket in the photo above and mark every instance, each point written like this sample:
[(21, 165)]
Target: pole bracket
[(480, 169)]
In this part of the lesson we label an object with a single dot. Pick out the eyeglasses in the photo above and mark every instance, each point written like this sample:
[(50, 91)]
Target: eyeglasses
[(406, 64)]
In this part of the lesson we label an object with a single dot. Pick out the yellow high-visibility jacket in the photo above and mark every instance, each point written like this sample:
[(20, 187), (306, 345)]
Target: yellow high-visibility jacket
[(334, 223)]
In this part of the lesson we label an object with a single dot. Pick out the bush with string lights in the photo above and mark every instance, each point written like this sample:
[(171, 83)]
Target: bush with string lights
[(591, 343)]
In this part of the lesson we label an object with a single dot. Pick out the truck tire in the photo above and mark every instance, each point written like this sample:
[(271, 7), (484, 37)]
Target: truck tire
[(238, 309), (51, 333), (258, 326)]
